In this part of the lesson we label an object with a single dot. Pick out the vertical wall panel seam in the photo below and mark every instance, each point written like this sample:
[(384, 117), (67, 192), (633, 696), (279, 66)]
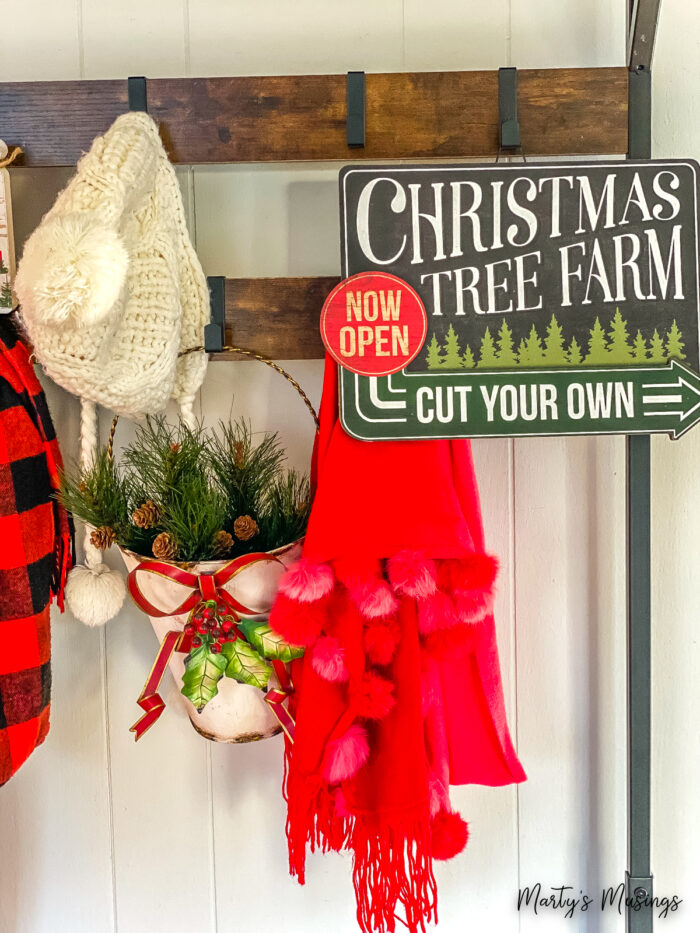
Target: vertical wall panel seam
[(186, 37), (403, 33), (514, 618), (509, 34), (79, 26), (212, 842), (103, 632), (108, 760)]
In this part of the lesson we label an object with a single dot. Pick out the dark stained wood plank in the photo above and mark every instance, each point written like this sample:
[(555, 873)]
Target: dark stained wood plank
[(451, 115), (278, 318), (583, 113), (56, 121), (421, 115)]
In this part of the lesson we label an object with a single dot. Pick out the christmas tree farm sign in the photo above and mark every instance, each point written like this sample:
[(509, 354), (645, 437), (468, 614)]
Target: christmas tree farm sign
[(559, 299)]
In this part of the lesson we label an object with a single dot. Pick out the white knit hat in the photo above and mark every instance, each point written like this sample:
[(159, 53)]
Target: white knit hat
[(111, 291)]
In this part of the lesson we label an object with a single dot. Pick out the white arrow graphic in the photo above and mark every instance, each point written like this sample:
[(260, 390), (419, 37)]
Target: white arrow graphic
[(668, 399), (396, 404)]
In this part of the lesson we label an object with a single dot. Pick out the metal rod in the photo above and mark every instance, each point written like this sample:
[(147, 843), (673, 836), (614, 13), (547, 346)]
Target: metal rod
[(643, 20), (639, 881)]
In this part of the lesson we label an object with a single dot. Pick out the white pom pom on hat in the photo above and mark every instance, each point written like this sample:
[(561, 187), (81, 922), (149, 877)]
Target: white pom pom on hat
[(74, 272), (95, 594)]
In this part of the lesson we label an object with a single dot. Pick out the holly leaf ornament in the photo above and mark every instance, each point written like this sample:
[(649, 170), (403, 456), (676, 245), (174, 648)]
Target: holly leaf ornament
[(203, 671), (245, 664), (268, 643)]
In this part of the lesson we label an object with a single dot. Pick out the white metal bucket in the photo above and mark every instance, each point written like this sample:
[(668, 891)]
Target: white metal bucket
[(238, 713)]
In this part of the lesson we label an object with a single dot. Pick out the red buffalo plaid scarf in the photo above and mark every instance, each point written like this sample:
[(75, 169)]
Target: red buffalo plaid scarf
[(399, 694), (35, 553)]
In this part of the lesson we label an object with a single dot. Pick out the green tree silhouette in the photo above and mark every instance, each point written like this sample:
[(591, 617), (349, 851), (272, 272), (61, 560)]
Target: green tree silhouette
[(533, 354), (657, 353), (506, 354), (5, 288), (6, 295), (488, 358), (574, 357), (522, 354), (433, 356), (554, 352), (453, 354), (597, 347), (619, 349), (639, 350), (674, 343), (468, 360)]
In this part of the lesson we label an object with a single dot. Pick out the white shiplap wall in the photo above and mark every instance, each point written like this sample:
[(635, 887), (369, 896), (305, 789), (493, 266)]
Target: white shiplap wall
[(177, 835)]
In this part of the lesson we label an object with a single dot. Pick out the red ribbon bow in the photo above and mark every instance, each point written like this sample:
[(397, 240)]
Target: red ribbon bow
[(203, 586)]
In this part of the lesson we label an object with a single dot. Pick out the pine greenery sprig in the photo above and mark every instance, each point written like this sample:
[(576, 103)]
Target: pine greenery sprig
[(97, 495), (198, 483), (286, 509), (244, 470)]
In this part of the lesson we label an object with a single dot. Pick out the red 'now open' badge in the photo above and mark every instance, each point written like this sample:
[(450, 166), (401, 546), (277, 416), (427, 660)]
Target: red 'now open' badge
[(373, 324)]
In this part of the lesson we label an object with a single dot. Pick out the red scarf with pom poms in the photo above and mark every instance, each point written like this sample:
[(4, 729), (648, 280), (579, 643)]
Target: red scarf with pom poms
[(399, 693)]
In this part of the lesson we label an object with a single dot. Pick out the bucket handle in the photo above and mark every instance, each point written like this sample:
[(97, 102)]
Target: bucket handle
[(253, 355)]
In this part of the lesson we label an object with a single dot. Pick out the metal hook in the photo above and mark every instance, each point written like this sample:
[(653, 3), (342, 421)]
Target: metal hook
[(355, 123), (509, 128), (214, 331), (136, 91)]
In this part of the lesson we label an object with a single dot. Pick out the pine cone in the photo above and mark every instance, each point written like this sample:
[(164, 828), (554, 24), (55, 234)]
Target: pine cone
[(239, 454), (223, 542), (245, 527), (164, 546), (103, 537), (147, 515)]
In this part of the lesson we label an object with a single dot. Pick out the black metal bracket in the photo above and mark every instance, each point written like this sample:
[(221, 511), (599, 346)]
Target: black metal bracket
[(136, 90), (509, 128), (643, 20), (214, 331), (638, 875), (356, 95), (639, 891)]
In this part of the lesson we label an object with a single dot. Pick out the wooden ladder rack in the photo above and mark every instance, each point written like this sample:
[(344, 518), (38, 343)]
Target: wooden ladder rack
[(427, 115)]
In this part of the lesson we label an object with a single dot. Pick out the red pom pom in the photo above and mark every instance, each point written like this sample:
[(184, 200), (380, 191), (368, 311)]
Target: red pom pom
[(435, 613), (445, 642), (345, 756), (328, 659), (380, 639), (475, 573), (482, 571), (374, 698), (412, 574), (449, 834), (307, 581), (473, 607), (374, 599), (297, 623)]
